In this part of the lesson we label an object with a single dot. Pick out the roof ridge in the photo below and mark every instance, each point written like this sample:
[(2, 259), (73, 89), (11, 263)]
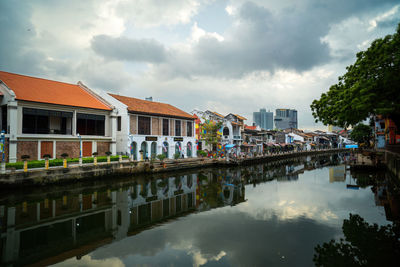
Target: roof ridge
[(141, 99), (39, 78), (93, 93)]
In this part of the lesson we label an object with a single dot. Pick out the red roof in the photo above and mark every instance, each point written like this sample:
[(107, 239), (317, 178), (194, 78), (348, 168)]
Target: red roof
[(47, 91), (140, 106), (250, 127)]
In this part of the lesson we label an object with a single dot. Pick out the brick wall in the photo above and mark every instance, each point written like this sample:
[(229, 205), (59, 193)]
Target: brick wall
[(69, 147), (133, 122), (6, 150), (184, 127), (155, 125), (171, 127), (27, 148), (102, 148)]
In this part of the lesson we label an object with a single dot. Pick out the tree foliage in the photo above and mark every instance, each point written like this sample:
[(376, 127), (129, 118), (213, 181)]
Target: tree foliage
[(370, 86), (361, 133), (209, 131), (364, 245)]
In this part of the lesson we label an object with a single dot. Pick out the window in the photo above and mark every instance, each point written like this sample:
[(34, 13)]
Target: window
[(89, 124), (119, 123), (189, 128), (177, 128), (225, 131), (4, 118), (144, 125), (41, 121), (165, 129)]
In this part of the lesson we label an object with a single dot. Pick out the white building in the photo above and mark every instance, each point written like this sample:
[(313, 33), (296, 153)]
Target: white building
[(43, 117), (230, 132), (152, 128)]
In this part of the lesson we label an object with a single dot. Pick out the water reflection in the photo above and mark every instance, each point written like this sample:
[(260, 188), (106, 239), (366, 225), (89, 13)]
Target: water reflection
[(285, 212), (363, 244)]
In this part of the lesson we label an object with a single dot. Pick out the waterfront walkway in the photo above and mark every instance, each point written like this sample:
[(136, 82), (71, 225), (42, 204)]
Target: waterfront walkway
[(74, 172)]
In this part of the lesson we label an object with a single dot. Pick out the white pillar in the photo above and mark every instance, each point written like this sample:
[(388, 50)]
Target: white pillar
[(13, 124), (113, 132)]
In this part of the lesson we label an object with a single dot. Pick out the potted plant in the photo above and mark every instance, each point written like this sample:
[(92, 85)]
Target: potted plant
[(25, 159), (64, 156), (177, 156), (46, 160), (161, 157), (95, 158), (108, 153)]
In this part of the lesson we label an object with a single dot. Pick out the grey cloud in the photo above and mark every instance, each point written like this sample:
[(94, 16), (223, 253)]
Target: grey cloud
[(121, 48), (266, 41), (17, 33)]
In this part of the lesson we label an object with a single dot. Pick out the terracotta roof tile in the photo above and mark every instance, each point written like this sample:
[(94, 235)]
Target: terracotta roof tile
[(250, 127), (47, 91), (240, 117), (136, 105), (216, 113)]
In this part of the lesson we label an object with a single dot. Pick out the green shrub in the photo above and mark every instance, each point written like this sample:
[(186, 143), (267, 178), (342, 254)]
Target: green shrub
[(177, 156), (201, 153), (161, 157), (58, 162)]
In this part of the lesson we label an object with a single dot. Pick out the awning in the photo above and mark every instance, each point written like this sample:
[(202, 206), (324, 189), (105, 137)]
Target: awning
[(230, 146)]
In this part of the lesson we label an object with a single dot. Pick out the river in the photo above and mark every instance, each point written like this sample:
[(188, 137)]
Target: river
[(271, 214)]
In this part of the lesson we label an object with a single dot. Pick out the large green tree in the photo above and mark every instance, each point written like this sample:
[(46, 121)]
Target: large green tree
[(209, 132), (361, 133), (370, 86)]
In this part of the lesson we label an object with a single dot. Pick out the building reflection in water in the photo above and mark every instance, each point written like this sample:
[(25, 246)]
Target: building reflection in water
[(337, 174), (50, 227)]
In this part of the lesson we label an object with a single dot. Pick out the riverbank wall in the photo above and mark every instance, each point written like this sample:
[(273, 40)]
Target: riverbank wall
[(392, 162), (74, 173)]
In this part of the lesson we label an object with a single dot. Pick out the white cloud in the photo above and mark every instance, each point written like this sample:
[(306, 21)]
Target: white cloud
[(74, 23), (200, 259), (153, 13), (198, 33), (383, 17)]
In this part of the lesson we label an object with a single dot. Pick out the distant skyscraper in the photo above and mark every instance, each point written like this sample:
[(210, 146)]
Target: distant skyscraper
[(264, 119), (286, 118)]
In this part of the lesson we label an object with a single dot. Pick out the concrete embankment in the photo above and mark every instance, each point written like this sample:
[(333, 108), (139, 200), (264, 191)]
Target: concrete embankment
[(392, 162), (76, 173)]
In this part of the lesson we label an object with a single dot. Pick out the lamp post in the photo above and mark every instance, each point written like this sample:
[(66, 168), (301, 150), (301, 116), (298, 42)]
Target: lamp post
[(2, 149), (80, 148)]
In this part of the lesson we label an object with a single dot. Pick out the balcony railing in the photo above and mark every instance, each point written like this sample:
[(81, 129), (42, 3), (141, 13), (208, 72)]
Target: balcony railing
[(46, 131)]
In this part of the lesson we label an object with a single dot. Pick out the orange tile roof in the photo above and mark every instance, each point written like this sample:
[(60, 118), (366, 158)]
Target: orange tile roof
[(136, 105), (216, 113), (250, 127), (240, 117), (47, 91)]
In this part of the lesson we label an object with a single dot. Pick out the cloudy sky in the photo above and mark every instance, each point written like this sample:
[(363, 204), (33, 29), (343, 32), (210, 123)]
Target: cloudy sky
[(228, 56)]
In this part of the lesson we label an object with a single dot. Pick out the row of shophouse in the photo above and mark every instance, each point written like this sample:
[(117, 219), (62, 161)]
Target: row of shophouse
[(237, 138), (40, 117)]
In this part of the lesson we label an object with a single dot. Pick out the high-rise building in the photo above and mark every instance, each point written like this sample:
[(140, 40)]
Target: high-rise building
[(264, 119), (285, 118)]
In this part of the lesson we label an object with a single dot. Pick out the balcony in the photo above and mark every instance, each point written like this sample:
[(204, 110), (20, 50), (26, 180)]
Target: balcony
[(237, 137)]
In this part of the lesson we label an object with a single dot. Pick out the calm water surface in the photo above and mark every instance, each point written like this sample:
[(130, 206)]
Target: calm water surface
[(263, 215)]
